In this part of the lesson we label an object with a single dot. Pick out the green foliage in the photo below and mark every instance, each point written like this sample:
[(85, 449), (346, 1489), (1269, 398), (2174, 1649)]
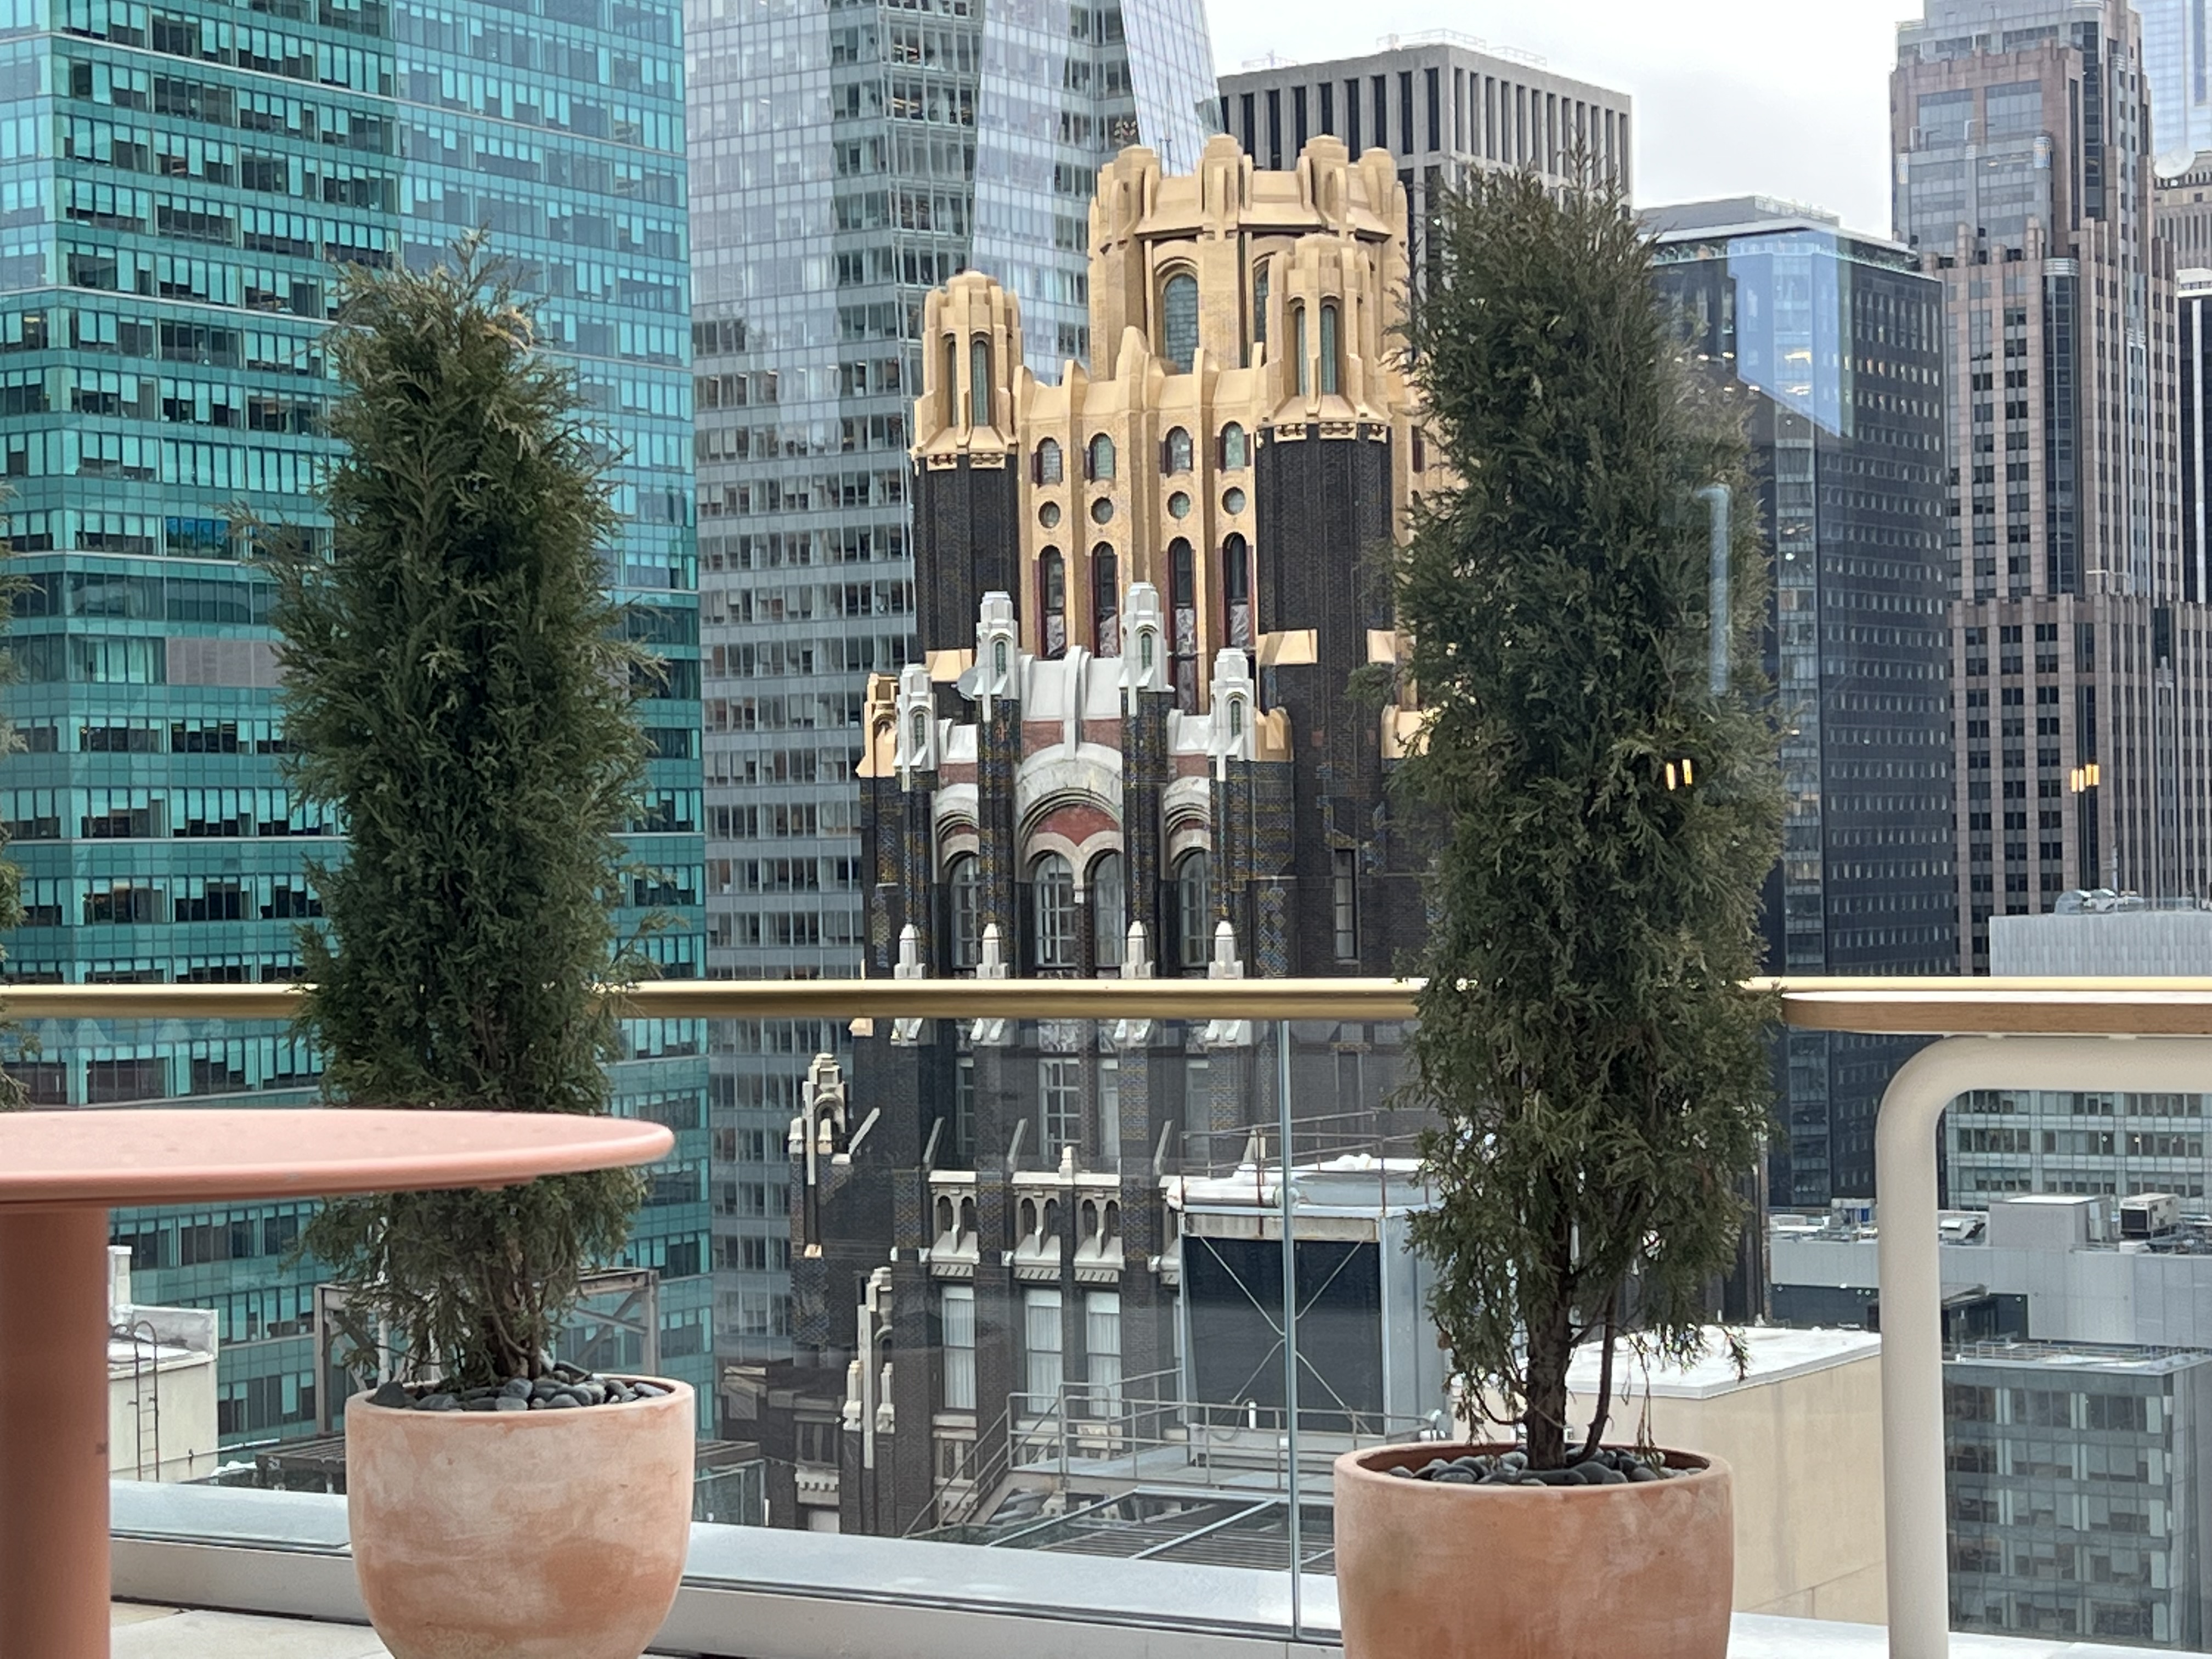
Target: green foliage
[(1600, 1081), (455, 682)]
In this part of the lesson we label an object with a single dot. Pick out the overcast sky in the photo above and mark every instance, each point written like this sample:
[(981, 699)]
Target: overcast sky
[(1787, 98)]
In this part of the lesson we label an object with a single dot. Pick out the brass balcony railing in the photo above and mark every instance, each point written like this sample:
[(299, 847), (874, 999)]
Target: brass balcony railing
[(2085, 1033)]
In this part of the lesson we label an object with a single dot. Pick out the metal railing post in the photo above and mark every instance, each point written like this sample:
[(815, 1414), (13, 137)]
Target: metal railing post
[(1915, 1524)]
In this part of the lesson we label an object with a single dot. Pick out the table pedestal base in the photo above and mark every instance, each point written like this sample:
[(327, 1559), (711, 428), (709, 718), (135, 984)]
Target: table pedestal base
[(53, 1435)]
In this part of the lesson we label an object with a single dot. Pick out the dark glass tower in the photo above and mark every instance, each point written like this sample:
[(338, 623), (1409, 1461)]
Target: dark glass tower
[(845, 160), (179, 183), (1837, 340)]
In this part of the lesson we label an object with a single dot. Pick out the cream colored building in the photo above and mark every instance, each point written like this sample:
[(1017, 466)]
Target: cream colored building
[(1802, 1434), (161, 1386)]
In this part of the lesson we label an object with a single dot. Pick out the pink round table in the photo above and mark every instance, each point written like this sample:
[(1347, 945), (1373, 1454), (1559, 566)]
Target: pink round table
[(61, 1171)]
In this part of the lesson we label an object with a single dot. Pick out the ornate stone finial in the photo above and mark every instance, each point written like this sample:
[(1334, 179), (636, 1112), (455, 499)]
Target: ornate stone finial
[(1144, 640), (1136, 964), (990, 963), (917, 723), (907, 1032), (1225, 964), (998, 652), (1233, 708)]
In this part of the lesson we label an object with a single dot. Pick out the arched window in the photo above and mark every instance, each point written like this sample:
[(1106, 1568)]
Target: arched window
[(1109, 911), (1175, 454), (1329, 366), (979, 381), (964, 893), (1052, 893), (1236, 451), (1298, 348), (1183, 601), (1179, 321), (1044, 466), (1052, 601), (1102, 460), (1193, 910), (1105, 601), (1260, 305), (951, 381), (1237, 591)]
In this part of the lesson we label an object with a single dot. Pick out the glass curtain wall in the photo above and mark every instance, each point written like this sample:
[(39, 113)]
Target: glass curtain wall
[(186, 186)]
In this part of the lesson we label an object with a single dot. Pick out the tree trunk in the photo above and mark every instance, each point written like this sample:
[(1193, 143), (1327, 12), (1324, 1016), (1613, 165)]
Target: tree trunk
[(1550, 1350)]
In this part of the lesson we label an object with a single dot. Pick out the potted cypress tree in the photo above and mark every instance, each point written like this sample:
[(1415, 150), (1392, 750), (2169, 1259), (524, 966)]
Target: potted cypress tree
[(456, 683), (1598, 1080)]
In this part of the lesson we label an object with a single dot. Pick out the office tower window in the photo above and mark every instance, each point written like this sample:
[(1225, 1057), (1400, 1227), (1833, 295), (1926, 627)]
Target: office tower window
[(1298, 115), (1329, 369), (958, 1318), (1176, 454), (1060, 1105), (1351, 116), (1435, 113), (1102, 460), (1236, 591), (1274, 129), (1179, 320), (1345, 881), (1041, 1341), (1052, 603), (1046, 468), (1102, 1344), (1052, 891), (964, 937), (1193, 907), (1236, 450), (1405, 110), (1109, 911), (1329, 106), (1105, 601)]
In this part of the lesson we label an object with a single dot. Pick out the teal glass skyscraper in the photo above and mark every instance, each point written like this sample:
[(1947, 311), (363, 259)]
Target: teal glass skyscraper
[(181, 186)]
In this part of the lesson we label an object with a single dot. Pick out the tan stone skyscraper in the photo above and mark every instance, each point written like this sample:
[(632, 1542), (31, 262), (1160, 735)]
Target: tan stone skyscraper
[(2022, 137)]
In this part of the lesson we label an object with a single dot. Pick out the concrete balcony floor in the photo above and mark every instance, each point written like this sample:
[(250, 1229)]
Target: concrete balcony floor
[(145, 1631)]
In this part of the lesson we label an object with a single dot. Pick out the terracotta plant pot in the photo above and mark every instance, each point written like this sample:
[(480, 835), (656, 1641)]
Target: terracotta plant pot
[(1431, 1572), (555, 1535)]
